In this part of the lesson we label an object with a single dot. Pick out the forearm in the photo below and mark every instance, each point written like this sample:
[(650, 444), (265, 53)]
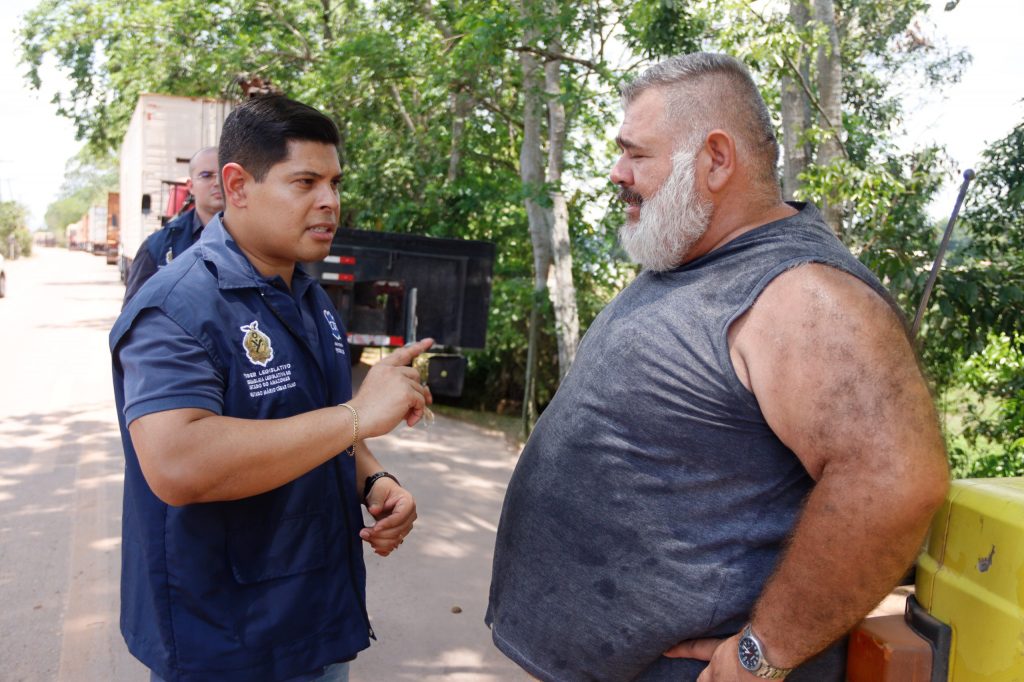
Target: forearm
[(856, 537), (192, 456)]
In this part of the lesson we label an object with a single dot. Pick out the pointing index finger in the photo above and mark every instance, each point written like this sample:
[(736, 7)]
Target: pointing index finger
[(406, 354)]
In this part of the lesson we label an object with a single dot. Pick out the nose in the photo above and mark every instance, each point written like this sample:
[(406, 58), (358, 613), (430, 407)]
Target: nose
[(621, 174), (329, 200)]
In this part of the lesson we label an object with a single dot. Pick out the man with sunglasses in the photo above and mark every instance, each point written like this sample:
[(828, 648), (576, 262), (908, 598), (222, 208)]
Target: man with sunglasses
[(163, 246)]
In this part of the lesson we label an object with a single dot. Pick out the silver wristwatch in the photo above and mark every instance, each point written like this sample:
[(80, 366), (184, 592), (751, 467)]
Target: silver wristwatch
[(752, 658)]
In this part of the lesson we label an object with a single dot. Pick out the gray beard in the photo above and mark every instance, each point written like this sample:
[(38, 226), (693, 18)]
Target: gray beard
[(670, 222)]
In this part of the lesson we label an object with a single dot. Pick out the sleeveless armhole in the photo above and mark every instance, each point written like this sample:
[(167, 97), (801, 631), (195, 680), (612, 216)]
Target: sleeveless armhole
[(722, 348)]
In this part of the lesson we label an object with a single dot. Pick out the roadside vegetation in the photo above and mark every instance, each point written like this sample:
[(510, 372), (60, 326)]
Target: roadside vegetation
[(15, 239)]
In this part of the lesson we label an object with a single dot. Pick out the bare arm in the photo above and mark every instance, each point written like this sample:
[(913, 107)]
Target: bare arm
[(192, 455), (838, 383)]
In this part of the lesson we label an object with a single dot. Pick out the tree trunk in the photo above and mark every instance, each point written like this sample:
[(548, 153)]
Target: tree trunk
[(325, 17), (561, 287), (796, 111), (461, 105), (830, 89), (549, 225), (531, 172)]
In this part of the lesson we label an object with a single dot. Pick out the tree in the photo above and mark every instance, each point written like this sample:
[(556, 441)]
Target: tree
[(834, 70), (795, 108), (548, 215), (88, 177), (14, 228), (976, 311), (830, 94)]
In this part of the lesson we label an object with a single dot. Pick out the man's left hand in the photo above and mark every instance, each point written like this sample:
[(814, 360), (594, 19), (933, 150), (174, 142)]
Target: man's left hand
[(394, 510), (723, 655)]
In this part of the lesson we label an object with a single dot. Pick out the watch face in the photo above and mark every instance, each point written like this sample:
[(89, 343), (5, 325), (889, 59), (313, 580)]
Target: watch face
[(750, 653)]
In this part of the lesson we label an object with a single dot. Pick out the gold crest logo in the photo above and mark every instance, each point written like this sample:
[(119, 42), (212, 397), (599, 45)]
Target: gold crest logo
[(257, 345)]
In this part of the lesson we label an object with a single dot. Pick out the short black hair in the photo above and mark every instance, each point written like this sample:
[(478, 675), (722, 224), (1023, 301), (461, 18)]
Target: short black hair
[(257, 133)]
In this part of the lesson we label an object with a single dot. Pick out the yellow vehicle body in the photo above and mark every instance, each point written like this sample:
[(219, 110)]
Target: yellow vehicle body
[(971, 577)]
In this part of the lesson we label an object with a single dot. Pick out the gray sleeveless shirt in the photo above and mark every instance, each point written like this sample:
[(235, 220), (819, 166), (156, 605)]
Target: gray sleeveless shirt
[(652, 500)]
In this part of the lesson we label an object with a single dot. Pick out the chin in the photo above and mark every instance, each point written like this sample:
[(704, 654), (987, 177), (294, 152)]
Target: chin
[(315, 253)]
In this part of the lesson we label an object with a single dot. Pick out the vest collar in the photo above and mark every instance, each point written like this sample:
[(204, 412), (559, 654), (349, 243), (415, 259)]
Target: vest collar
[(234, 271)]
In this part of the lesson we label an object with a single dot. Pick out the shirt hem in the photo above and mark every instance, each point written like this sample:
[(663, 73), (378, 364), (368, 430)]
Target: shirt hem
[(517, 657), (163, 404)]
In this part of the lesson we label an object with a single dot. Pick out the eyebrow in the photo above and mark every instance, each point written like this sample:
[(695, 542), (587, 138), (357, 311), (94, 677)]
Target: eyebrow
[(625, 143), (312, 173)]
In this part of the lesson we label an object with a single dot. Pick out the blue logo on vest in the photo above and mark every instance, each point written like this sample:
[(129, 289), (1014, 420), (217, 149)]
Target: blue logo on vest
[(335, 332)]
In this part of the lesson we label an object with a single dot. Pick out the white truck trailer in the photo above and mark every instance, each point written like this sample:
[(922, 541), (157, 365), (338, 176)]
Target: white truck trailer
[(97, 230), (164, 132)]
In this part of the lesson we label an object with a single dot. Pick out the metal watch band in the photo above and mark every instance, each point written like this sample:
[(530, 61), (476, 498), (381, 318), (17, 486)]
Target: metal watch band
[(770, 672)]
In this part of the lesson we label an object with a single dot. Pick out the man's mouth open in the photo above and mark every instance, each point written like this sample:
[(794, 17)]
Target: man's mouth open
[(322, 232), (633, 201)]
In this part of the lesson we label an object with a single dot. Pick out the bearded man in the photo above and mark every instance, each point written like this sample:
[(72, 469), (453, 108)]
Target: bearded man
[(745, 456)]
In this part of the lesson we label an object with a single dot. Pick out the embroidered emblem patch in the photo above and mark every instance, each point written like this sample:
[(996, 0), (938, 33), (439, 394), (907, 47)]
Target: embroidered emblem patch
[(335, 332), (256, 344)]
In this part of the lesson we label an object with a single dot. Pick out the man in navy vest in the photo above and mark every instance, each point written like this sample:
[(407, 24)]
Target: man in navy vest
[(245, 460), (161, 247), (744, 457)]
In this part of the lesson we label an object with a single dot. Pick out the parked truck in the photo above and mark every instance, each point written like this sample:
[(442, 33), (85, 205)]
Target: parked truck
[(965, 620), (113, 227), (164, 132), (96, 222), (76, 234), (391, 289)]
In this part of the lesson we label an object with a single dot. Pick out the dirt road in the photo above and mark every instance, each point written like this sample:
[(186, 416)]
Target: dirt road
[(60, 505)]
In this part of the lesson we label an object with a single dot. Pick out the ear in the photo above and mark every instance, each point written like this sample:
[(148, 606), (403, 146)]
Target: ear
[(188, 185), (720, 152), (236, 181)]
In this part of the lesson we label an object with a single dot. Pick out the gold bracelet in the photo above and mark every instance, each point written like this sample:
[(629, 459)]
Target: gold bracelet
[(355, 428)]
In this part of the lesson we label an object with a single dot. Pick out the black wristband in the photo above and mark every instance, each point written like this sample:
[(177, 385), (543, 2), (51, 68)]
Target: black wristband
[(370, 480)]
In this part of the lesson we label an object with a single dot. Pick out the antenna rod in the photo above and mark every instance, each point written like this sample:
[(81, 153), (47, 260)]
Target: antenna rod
[(937, 265)]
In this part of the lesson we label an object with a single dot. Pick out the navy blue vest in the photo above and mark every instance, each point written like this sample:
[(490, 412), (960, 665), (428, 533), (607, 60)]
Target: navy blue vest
[(268, 587), (173, 239), (652, 499)]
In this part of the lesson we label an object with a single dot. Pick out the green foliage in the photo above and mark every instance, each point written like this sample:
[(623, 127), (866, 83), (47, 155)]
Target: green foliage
[(981, 290), (88, 177), (664, 27), (973, 326), (13, 223), (993, 433)]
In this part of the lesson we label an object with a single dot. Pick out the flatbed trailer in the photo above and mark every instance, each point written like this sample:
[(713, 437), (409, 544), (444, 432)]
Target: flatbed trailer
[(392, 289)]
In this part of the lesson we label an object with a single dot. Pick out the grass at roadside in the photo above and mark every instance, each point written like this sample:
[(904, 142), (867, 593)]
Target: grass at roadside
[(510, 427)]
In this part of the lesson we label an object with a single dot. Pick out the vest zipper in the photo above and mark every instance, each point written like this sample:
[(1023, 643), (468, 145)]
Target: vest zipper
[(350, 554)]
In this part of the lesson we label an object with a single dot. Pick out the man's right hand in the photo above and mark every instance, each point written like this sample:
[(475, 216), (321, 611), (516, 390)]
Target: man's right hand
[(392, 392)]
